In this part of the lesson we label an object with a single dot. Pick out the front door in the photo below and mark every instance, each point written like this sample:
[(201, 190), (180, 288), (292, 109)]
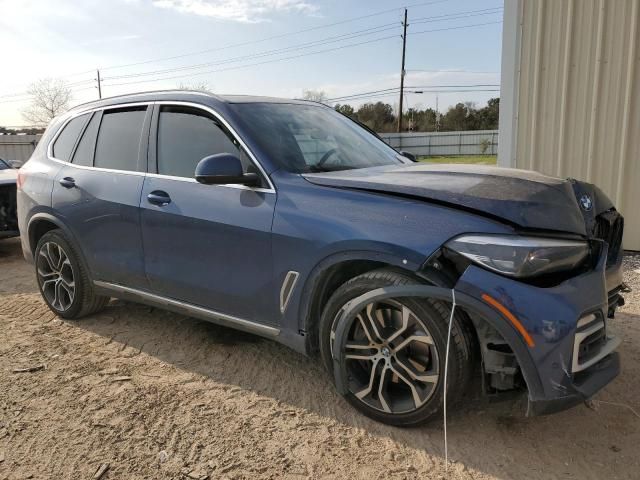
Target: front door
[(207, 245), (97, 191)]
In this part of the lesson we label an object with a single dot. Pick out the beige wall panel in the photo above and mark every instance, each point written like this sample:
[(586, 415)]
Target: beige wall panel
[(579, 97)]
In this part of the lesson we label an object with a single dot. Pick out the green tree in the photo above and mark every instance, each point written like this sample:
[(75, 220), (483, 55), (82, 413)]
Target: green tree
[(377, 116), (488, 116), (420, 120), (345, 109), (462, 116)]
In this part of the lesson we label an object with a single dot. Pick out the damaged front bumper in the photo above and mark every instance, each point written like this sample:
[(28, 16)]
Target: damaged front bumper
[(573, 352), (558, 335)]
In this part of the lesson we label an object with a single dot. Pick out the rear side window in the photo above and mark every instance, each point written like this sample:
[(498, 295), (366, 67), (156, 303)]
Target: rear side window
[(63, 146), (186, 136), (119, 139), (84, 151)]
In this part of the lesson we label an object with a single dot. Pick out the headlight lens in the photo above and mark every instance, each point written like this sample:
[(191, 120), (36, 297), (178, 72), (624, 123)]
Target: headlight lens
[(518, 256)]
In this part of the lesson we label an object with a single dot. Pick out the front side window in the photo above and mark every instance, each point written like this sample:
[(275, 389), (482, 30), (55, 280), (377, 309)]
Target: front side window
[(63, 146), (311, 138), (119, 138), (187, 135), (3, 165)]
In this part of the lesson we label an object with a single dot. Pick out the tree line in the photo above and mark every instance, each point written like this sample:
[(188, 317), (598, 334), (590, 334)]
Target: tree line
[(51, 97), (381, 117)]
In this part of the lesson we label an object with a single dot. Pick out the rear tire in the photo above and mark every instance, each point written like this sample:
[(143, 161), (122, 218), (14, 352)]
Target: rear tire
[(62, 278), (379, 386)]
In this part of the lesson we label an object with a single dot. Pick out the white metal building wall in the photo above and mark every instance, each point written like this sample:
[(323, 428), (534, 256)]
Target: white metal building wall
[(570, 99)]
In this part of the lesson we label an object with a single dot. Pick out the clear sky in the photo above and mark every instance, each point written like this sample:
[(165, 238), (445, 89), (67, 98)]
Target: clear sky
[(228, 45)]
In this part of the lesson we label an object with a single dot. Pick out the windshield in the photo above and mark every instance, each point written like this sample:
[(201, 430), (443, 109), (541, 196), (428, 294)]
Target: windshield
[(309, 138), (3, 165)]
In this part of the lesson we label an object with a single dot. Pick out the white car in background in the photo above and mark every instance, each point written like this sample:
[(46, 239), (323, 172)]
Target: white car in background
[(8, 218)]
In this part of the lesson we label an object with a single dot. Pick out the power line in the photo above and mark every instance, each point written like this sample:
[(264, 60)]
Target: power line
[(457, 16), (254, 64), (293, 56), (27, 97), (452, 71), (393, 94), (363, 93), (454, 28), (364, 32), (324, 41), (319, 42), (25, 94), (273, 37), (415, 87), (372, 30)]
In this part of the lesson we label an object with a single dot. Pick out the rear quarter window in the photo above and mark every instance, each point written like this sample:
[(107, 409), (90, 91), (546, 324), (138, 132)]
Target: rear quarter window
[(84, 151), (63, 145)]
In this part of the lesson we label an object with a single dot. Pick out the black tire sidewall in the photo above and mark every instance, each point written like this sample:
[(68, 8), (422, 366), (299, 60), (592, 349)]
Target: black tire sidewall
[(57, 237), (435, 319)]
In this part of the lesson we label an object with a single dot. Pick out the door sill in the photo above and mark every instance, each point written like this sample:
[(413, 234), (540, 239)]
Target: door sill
[(120, 291)]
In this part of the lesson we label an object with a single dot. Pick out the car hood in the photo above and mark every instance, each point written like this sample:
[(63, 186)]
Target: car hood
[(8, 176), (521, 197)]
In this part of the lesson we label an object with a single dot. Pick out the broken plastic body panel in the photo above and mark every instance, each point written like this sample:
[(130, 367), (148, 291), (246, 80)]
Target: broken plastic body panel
[(549, 315)]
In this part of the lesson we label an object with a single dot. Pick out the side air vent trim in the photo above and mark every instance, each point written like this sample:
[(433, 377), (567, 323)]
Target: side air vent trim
[(286, 290)]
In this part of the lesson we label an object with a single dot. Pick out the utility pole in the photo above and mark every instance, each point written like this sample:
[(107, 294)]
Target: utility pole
[(99, 84), (404, 47)]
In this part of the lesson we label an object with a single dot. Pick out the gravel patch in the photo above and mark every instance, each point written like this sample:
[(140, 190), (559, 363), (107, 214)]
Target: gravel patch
[(631, 264)]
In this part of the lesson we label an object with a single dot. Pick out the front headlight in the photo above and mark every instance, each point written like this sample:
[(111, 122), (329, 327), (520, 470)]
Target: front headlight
[(518, 256)]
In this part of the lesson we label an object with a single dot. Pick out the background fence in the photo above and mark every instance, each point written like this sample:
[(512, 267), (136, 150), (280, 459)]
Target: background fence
[(476, 142), (18, 147)]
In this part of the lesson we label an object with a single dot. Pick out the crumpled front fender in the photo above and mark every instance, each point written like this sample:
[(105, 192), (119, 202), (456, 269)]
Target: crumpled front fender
[(549, 317), (349, 312)]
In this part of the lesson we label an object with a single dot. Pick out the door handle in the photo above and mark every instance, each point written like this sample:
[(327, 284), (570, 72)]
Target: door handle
[(160, 198), (67, 182)]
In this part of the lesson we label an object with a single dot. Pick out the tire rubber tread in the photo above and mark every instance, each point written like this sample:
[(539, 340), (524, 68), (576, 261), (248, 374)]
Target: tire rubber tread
[(87, 301), (461, 353)]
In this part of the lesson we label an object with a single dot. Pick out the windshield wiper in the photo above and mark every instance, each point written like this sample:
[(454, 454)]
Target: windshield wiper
[(317, 169)]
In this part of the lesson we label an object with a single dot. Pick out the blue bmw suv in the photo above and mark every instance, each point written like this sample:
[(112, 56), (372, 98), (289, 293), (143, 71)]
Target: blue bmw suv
[(288, 220)]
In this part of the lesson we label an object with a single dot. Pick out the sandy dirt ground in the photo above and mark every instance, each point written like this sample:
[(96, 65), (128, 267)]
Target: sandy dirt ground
[(156, 395)]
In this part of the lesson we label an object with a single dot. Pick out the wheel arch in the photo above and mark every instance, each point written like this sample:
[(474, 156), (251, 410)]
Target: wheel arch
[(43, 222), (468, 304), (328, 275), (334, 271)]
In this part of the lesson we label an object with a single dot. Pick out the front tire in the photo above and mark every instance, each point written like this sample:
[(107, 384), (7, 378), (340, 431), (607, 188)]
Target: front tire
[(62, 279), (395, 352)]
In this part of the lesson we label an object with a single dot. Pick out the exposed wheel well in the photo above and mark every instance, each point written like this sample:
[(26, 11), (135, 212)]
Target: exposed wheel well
[(499, 365), (37, 230)]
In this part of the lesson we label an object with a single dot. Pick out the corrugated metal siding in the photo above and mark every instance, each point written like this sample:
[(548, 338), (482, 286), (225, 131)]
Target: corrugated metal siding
[(18, 147), (578, 111)]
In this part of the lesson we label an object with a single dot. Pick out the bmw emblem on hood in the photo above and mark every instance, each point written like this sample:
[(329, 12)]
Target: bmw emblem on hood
[(586, 203)]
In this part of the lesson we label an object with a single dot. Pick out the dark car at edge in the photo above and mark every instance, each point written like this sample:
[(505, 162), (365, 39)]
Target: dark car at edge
[(288, 220), (8, 219)]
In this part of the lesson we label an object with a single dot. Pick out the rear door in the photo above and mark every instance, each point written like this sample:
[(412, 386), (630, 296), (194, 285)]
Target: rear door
[(97, 191), (207, 245)]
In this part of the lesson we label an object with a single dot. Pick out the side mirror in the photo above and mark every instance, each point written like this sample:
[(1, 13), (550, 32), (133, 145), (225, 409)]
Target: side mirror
[(224, 168), (408, 155)]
